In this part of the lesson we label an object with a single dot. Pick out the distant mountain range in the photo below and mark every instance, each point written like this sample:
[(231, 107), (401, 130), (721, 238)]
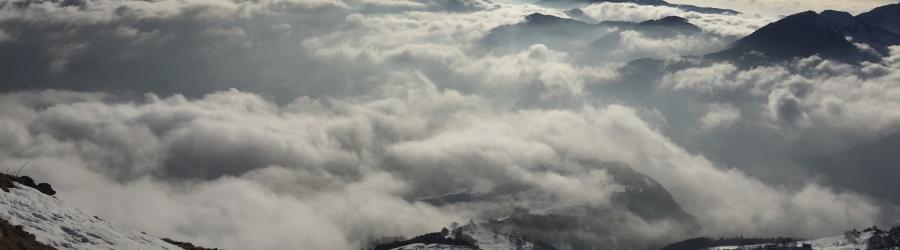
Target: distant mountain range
[(564, 34), (829, 34), (685, 7)]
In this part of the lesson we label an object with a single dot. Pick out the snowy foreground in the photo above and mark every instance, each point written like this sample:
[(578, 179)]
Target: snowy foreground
[(840, 242), (486, 239), (58, 225), (829, 243)]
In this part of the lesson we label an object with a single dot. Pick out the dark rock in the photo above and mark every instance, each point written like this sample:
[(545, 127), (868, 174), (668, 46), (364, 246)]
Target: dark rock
[(45, 188), (186, 245), (8, 181), (27, 181), (14, 237)]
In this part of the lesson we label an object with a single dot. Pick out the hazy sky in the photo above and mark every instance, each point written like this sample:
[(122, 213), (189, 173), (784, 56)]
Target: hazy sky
[(783, 7)]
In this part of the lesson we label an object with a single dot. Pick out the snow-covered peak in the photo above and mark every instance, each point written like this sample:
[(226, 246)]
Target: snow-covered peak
[(61, 226)]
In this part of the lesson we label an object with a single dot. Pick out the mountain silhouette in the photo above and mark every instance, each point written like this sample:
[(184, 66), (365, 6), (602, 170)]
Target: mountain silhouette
[(685, 7), (563, 34), (886, 17), (830, 34)]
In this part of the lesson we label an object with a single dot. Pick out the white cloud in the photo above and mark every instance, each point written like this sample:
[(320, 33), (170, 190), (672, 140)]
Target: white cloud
[(720, 115)]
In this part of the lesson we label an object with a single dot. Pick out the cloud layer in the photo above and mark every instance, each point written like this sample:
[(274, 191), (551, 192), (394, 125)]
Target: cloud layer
[(346, 113), (348, 170)]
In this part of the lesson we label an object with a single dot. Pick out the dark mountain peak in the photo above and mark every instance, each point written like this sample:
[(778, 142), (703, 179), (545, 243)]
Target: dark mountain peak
[(550, 30), (667, 20), (641, 2), (674, 19), (541, 18), (668, 25), (685, 7), (889, 7), (807, 13), (886, 17), (809, 33), (836, 13), (807, 17), (837, 20), (837, 16)]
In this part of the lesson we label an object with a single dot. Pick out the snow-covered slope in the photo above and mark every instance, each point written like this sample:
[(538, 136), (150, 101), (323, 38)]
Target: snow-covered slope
[(871, 238), (55, 223), (840, 242), (488, 240)]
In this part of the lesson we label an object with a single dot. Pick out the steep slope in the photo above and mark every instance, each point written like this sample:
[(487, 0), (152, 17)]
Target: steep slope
[(886, 17), (860, 31), (809, 33), (60, 226), (872, 168), (798, 35)]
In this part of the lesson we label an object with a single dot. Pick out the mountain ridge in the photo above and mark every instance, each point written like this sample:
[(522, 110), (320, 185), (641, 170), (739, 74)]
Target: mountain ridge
[(685, 7), (830, 34), (886, 17)]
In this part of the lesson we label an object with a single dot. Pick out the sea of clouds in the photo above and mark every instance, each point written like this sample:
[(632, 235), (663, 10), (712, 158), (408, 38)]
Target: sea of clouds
[(318, 124)]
